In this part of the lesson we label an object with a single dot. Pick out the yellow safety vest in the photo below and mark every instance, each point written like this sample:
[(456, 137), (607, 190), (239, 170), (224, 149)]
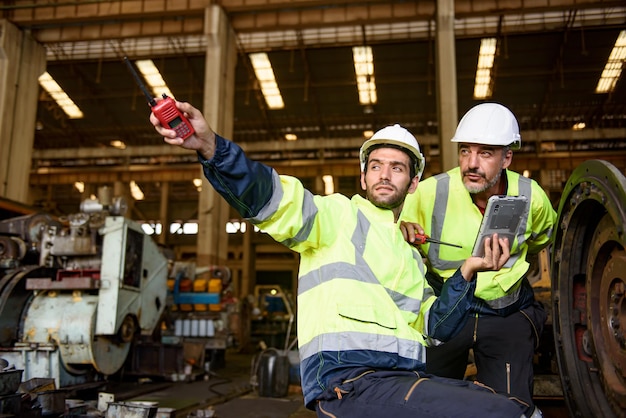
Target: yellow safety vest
[(444, 208), (353, 264)]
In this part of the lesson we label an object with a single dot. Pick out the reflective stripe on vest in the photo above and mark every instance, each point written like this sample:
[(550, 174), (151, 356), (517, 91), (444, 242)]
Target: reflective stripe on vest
[(399, 342), (344, 341), (346, 271)]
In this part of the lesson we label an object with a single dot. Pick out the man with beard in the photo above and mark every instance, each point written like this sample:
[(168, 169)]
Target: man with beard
[(505, 320), (365, 311)]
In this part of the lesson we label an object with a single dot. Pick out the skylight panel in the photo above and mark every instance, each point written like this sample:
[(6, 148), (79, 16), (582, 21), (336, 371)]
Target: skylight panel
[(364, 69), (153, 78), (486, 56), (267, 81), (613, 68), (60, 96)]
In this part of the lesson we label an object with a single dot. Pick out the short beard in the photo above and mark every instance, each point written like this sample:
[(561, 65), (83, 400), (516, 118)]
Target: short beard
[(395, 201), (480, 189)]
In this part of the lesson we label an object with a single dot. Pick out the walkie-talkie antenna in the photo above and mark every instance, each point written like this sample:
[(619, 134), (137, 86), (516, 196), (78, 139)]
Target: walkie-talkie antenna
[(142, 86)]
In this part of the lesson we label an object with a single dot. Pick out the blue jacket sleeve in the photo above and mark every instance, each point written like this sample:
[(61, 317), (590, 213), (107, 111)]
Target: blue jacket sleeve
[(245, 184), (449, 313)]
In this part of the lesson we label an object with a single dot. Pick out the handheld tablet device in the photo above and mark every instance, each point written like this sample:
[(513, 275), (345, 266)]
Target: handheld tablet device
[(503, 215)]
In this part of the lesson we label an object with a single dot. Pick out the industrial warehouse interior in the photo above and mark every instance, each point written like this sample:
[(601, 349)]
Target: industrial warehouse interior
[(84, 174)]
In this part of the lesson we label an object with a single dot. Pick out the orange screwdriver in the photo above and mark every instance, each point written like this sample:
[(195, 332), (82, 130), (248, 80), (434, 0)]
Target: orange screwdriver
[(423, 238)]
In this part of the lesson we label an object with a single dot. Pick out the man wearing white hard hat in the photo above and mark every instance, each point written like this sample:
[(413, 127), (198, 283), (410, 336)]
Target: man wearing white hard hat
[(505, 322), (365, 311)]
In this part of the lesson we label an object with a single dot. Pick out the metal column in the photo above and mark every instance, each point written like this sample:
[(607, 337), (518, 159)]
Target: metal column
[(447, 102), (22, 61), (219, 92)]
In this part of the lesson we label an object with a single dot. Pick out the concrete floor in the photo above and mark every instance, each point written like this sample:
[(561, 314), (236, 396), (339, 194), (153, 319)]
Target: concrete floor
[(252, 406), (227, 393)]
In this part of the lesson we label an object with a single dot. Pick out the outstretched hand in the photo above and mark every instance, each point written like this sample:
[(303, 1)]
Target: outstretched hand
[(497, 253), (203, 140)]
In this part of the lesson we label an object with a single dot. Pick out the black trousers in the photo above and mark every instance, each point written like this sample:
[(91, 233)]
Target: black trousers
[(503, 352), (403, 394)]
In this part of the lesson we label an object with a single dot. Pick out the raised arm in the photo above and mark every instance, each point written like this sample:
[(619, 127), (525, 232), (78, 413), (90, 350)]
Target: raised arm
[(245, 184)]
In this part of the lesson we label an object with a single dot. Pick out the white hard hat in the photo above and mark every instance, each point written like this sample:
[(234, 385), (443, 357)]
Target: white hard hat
[(489, 124), (398, 136)]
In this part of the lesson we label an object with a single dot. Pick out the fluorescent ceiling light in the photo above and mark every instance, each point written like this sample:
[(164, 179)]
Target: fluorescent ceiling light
[(63, 100), (197, 182), (153, 78), (486, 56), (613, 67), (136, 191), (118, 144), (265, 75), (364, 69)]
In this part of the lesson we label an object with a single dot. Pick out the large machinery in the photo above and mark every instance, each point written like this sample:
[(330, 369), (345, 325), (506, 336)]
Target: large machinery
[(589, 291), (75, 293), (201, 321)]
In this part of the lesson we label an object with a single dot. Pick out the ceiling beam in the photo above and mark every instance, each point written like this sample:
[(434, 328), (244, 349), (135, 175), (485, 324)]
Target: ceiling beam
[(286, 158), (566, 135), (301, 169), (74, 21), (43, 14)]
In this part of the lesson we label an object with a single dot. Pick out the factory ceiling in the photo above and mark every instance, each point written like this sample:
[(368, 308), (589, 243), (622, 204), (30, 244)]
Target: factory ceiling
[(550, 57)]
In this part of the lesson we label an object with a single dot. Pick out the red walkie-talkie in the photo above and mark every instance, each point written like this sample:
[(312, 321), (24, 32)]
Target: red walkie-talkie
[(165, 109)]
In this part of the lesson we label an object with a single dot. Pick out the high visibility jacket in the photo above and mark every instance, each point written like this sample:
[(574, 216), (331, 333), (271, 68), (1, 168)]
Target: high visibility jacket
[(362, 297), (444, 208)]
